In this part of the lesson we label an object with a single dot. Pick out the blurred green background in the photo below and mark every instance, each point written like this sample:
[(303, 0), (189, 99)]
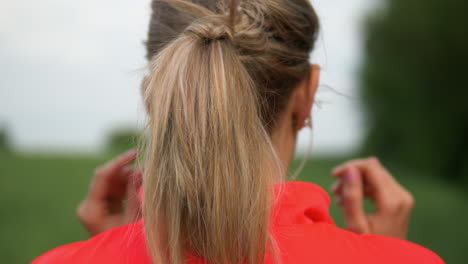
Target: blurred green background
[(414, 86), (39, 194)]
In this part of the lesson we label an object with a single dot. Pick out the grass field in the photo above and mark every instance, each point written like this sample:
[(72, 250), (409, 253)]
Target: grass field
[(39, 193)]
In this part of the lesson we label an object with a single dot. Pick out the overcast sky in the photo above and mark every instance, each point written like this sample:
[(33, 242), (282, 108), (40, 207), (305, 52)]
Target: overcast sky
[(68, 72)]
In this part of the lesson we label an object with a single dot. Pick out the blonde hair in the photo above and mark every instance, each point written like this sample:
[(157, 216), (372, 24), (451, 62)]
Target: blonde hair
[(216, 87)]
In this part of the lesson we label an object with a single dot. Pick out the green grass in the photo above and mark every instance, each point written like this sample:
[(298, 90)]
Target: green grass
[(39, 194)]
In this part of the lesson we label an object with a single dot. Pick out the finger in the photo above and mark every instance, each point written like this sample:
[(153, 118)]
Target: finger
[(337, 187), (118, 191), (112, 173), (352, 202), (339, 200), (112, 189), (376, 178), (133, 202), (117, 163), (119, 183)]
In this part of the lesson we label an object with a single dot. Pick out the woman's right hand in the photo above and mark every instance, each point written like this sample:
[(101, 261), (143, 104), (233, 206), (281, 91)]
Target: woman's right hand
[(114, 185), (367, 178)]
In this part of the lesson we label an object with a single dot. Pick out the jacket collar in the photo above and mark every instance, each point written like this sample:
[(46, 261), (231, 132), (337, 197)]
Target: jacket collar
[(297, 203)]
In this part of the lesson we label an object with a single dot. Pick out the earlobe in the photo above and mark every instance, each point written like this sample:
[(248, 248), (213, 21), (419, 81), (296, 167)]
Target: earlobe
[(307, 122)]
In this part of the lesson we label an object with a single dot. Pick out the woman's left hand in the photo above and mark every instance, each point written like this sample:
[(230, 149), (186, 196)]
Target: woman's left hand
[(113, 183), (367, 178)]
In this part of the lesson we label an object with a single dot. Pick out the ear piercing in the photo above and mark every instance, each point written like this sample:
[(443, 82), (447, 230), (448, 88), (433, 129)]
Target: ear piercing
[(307, 123)]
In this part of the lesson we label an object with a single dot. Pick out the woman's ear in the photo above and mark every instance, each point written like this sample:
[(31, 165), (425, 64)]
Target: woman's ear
[(305, 97), (313, 84)]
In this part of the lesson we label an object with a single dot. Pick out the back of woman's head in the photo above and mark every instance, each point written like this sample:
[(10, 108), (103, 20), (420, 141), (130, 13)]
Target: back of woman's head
[(221, 72)]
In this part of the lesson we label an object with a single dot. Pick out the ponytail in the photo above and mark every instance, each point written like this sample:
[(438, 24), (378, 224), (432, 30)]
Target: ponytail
[(210, 166)]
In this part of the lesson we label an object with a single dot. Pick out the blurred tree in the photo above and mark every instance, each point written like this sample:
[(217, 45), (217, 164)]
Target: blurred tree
[(122, 140), (4, 145), (414, 85)]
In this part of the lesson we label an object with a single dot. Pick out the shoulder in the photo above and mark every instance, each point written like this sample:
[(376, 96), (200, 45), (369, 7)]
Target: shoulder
[(326, 243), (124, 244), (403, 250), (304, 231), (59, 254)]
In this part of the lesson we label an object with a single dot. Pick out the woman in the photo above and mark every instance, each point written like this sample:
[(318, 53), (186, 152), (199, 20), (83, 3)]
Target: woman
[(229, 87)]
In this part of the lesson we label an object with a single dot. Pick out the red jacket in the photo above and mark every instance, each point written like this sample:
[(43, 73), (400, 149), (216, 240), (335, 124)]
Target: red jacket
[(301, 225)]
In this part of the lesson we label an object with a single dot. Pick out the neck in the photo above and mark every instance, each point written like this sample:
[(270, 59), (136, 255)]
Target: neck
[(283, 138)]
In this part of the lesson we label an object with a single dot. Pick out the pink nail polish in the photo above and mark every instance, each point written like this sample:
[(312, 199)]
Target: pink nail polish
[(351, 176)]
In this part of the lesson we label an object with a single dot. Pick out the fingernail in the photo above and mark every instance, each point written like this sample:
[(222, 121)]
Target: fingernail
[(337, 169), (130, 154)]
